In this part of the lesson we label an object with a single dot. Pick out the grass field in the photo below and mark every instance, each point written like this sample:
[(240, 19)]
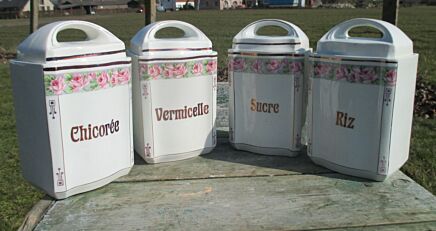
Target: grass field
[(17, 197)]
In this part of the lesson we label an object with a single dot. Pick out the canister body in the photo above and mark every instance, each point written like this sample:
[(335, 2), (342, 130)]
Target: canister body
[(73, 109), (265, 102), (361, 113), (84, 117), (175, 107), (266, 76), (174, 93), (360, 97)]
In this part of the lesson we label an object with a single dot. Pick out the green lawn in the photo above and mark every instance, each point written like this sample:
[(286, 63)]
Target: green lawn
[(17, 197)]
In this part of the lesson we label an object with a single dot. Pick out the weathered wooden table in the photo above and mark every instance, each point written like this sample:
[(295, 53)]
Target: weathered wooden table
[(233, 190)]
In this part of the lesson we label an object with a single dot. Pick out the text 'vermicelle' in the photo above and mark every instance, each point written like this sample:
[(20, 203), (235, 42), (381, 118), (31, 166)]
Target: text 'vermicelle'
[(182, 113), (81, 133)]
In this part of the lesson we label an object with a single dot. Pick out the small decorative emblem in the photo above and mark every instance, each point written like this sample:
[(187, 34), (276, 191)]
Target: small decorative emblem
[(382, 165), (52, 105), (297, 84), (60, 176), (148, 150), (145, 92), (214, 138), (297, 140), (214, 86), (387, 96)]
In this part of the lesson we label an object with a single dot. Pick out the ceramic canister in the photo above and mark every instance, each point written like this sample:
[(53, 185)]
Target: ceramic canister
[(73, 109), (266, 89), (361, 93), (174, 93)]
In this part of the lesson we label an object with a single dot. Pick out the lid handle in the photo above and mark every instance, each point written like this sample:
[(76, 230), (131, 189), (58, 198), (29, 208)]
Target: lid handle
[(251, 30), (189, 30), (342, 30), (93, 32)]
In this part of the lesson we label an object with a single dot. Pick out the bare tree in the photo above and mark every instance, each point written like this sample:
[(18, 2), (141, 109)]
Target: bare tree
[(34, 10), (197, 4), (150, 11), (390, 11)]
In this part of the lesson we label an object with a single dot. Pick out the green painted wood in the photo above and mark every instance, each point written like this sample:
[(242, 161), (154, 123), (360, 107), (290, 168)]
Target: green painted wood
[(419, 226), (223, 161), (291, 202), (33, 217)]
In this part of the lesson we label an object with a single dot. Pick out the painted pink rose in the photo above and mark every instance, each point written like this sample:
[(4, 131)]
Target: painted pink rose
[(341, 73), (92, 76), (197, 68), (180, 70), (78, 82), (168, 71), (367, 75), (143, 69), (154, 71), (237, 64), (391, 77), (296, 68), (211, 66), (257, 66), (123, 76), (322, 70), (273, 65), (57, 86), (114, 78), (354, 75), (103, 80)]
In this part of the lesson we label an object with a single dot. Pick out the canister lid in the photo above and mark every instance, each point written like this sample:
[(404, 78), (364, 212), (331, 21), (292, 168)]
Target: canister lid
[(42, 45), (248, 39), (193, 40), (394, 43)]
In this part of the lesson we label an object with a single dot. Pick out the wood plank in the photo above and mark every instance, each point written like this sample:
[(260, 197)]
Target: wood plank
[(420, 226), (296, 202), (223, 161), (35, 214)]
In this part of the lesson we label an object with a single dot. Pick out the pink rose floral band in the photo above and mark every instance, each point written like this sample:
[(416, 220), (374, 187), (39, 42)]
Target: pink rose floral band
[(378, 73), (177, 70), (67, 83), (267, 65)]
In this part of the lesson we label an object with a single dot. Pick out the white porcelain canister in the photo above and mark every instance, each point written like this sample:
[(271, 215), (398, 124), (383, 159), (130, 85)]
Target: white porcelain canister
[(73, 109), (266, 89), (361, 93), (174, 93)]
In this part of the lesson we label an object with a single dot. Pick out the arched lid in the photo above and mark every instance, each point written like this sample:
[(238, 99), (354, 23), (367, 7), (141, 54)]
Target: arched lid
[(248, 40), (394, 43), (42, 45), (193, 40)]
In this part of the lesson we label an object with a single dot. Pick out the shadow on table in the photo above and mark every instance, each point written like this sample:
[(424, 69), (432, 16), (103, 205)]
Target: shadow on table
[(300, 164), (256, 163)]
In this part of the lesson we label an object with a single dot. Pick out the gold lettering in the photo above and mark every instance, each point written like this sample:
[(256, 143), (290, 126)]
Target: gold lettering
[(343, 120), (263, 107), (165, 115), (276, 108), (350, 122), (74, 130), (158, 114), (339, 116)]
